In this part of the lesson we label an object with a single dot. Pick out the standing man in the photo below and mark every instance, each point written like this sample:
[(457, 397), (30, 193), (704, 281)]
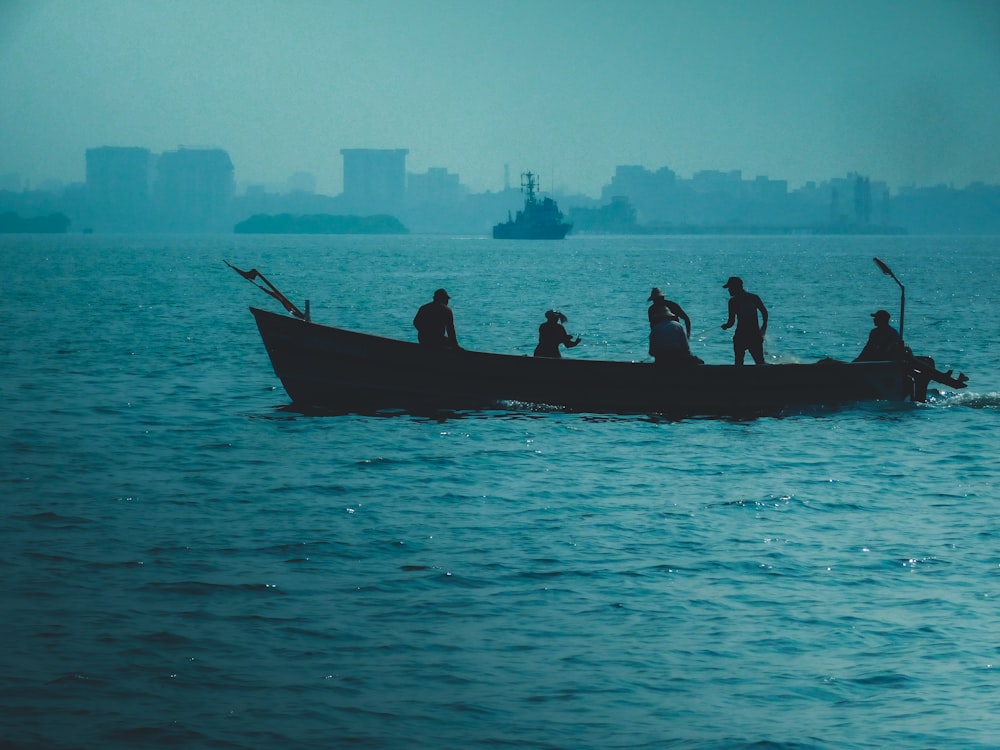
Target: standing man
[(743, 307), (435, 323), (662, 308)]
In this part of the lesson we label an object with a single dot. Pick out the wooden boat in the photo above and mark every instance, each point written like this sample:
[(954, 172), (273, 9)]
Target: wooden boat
[(332, 369), (322, 367)]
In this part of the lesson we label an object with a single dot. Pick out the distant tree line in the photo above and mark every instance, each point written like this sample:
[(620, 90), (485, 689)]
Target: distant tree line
[(320, 224), (11, 223)]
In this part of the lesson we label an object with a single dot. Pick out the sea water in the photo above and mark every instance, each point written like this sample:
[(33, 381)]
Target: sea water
[(188, 562)]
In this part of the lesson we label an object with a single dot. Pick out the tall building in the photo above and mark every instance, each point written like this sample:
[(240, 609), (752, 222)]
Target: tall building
[(374, 180), (118, 187), (194, 190), (437, 187), (435, 202)]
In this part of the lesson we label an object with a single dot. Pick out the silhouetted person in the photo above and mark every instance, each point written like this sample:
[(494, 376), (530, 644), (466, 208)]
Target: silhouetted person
[(743, 307), (435, 323), (884, 341), (668, 342), (551, 335), (661, 308)]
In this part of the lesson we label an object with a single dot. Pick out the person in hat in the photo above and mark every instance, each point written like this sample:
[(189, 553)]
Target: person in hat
[(435, 323), (743, 309), (884, 341), (552, 335), (661, 308)]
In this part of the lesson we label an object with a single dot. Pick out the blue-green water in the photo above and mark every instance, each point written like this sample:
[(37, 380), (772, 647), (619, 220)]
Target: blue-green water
[(187, 563)]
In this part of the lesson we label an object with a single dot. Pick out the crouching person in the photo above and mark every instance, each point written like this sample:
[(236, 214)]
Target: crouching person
[(668, 344)]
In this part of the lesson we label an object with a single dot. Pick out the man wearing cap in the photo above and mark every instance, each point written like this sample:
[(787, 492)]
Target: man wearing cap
[(884, 341), (662, 309), (743, 307), (435, 323)]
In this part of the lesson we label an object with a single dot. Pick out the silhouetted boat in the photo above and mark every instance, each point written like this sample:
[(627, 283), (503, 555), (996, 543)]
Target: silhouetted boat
[(333, 369), (327, 368), (539, 220)]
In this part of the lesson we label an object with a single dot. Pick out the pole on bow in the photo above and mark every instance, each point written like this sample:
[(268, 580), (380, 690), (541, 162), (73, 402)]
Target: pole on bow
[(253, 274)]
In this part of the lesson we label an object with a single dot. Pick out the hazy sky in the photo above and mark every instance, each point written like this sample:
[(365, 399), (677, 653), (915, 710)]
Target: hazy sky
[(906, 91)]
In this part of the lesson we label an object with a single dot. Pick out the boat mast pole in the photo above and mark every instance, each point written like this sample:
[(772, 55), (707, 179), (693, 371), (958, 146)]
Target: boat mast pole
[(528, 183), (902, 291)]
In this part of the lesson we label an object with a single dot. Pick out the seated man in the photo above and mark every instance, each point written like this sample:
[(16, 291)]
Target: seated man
[(884, 342), (668, 343), (435, 323)]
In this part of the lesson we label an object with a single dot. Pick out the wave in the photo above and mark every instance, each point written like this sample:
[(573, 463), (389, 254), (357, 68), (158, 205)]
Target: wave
[(989, 400)]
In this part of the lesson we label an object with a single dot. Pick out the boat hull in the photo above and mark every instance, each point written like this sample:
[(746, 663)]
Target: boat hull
[(510, 230), (322, 367)]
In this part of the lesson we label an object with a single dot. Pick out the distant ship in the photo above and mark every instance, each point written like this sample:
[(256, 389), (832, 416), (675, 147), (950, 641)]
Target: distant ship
[(540, 219)]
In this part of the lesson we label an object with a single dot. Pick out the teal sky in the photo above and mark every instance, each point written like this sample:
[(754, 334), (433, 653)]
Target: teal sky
[(906, 91)]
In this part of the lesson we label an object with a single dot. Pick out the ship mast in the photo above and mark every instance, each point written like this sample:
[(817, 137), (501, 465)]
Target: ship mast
[(528, 184)]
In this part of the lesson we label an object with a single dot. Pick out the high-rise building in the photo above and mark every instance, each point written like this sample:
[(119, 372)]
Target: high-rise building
[(374, 180), (435, 202), (437, 187), (194, 189), (118, 186)]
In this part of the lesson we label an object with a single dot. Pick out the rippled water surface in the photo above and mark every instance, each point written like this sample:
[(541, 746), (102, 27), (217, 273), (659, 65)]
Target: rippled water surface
[(189, 562)]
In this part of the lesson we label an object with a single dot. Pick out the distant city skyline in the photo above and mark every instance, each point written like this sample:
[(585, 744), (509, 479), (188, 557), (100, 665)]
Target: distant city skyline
[(132, 189), (305, 179)]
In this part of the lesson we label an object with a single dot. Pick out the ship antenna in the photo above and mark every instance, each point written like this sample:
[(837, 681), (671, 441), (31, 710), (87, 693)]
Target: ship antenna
[(528, 185)]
